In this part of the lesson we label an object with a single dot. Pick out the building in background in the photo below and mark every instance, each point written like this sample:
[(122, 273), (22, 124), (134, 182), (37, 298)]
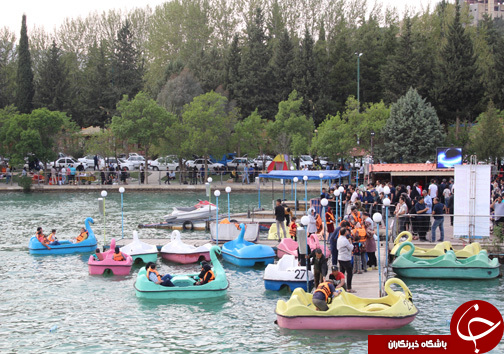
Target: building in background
[(478, 8)]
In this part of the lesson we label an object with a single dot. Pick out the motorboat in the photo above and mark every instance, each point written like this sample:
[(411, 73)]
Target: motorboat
[(202, 210), (446, 266), (140, 250), (246, 254), (287, 247), (348, 311), (229, 231), (179, 252), (99, 266), (438, 250), (184, 284), (66, 246), (286, 273)]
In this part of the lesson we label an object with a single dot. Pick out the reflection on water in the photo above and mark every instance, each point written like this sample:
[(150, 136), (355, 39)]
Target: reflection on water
[(102, 313)]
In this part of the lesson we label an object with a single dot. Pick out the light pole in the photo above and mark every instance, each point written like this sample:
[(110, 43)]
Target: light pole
[(210, 180), (377, 218), (217, 193), (372, 154), (386, 203), (386, 191), (258, 184), (358, 77), (305, 179), (324, 203), (341, 190), (337, 195), (305, 220), (292, 184), (321, 176), (121, 190), (104, 195), (295, 180), (228, 190)]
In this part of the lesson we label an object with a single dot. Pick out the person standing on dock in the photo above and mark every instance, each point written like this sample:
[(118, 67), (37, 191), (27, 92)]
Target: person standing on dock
[(345, 249), (438, 211), (280, 219)]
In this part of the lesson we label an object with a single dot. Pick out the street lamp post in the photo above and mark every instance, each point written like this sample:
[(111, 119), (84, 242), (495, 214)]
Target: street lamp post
[(386, 203), (217, 193), (209, 191), (305, 179), (358, 77), (228, 190), (337, 195), (324, 203), (372, 153), (104, 195), (377, 218), (321, 176), (295, 180), (121, 190), (305, 220), (341, 190)]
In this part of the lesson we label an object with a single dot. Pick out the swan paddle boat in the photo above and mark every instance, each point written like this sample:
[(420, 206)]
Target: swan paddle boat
[(348, 311), (446, 266), (97, 267), (286, 273), (229, 231), (287, 247), (246, 254), (184, 284), (180, 252), (314, 243), (140, 250), (438, 250), (202, 210), (272, 232), (66, 246)]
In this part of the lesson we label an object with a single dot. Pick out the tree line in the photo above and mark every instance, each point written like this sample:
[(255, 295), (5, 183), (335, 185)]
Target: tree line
[(282, 76)]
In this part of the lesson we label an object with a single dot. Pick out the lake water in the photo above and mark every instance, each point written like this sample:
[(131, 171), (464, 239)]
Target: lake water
[(102, 314)]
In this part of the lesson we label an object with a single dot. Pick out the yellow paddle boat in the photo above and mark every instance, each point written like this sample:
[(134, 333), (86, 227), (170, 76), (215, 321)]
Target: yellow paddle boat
[(348, 311), (438, 250)]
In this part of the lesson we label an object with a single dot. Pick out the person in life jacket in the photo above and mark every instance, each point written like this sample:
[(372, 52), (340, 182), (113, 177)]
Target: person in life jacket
[(330, 220), (154, 276), (42, 238), (320, 225), (323, 295), (82, 236), (206, 275), (52, 238), (293, 229), (118, 256)]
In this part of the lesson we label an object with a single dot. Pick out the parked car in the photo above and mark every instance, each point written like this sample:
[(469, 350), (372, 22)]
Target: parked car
[(136, 161), (308, 160), (226, 158), (259, 161), (240, 162), (201, 163), (67, 161), (89, 160), (166, 163)]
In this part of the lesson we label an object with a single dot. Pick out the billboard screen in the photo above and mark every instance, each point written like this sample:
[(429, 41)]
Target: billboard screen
[(448, 157)]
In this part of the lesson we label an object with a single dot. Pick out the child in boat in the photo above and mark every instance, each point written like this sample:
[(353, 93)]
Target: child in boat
[(293, 229), (118, 256), (52, 239), (82, 236), (42, 238), (206, 275), (98, 256), (154, 276)]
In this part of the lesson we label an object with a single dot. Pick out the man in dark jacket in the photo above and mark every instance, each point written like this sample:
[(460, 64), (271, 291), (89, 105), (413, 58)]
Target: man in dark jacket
[(319, 263), (280, 218)]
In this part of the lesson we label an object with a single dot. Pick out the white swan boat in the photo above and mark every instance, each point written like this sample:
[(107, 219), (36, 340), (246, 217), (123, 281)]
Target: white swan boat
[(180, 252), (139, 249)]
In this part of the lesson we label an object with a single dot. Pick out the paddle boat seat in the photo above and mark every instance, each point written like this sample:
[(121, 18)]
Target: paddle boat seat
[(287, 246)]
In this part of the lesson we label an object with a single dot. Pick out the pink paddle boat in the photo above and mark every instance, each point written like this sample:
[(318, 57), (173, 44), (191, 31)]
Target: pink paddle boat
[(314, 243), (287, 246), (180, 252), (106, 261)]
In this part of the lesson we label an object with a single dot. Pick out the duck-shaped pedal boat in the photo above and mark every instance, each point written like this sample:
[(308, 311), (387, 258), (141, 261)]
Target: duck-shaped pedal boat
[(184, 284), (180, 252), (348, 311), (97, 267), (314, 243), (446, 266), (286, 273), (287, 247), (66, 246), (140, 250), (246, 254), (438, 250)]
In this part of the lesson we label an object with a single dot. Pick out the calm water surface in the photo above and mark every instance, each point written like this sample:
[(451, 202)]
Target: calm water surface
[(101, 313)]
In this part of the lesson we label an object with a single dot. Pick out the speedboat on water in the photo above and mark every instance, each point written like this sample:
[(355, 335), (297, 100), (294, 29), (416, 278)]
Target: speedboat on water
[(203, 210)]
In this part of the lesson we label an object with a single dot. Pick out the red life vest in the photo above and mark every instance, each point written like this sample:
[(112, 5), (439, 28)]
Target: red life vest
[(293, 229), (153, 271), (324, 289)]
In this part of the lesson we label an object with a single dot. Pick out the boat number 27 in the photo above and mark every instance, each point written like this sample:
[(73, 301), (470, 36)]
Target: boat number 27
[(300, 273)]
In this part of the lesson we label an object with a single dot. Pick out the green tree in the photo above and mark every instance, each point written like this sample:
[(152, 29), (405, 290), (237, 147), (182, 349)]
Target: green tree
[(291, 131), (457, 90), (25, 90), (232, 68), (250, 135), (179, 90), (208, 124), (8, 59), (52, 84), (412, 131), (487, 136), (304, 79), (283, 68), (141, 121), (332, 139)]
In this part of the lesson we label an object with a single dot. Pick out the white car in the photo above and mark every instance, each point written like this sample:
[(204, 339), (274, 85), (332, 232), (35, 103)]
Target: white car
[(67, 161), (201, 163), (240, 162), (309, 161), (259, 161), (89, 160), (167, 163), (136, 161)]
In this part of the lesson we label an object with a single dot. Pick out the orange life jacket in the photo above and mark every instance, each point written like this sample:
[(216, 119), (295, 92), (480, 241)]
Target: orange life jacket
[(357, 219), (212, 276), (119, 257), (319, 223), (329, 217), (50, 238), (324, 289), (153, 271), (293, 229), (82, 236)]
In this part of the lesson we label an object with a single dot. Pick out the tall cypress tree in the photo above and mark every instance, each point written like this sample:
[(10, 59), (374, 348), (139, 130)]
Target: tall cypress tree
[(283, 68), (304, 80), (52, 85), (324, 104), (232, 68), (25, 90), (457, 90)]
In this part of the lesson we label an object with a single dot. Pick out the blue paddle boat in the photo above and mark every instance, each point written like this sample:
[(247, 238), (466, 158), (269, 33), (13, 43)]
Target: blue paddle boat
[(66, 246), (246, 254), (286, 273)]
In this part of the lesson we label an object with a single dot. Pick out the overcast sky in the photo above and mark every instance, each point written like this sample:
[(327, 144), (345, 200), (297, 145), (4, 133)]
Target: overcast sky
[(51, 13)]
